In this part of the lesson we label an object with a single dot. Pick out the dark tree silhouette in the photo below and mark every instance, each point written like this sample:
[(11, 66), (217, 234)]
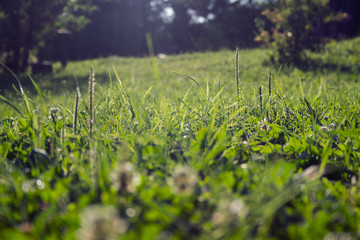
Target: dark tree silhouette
[(118, 27), (27, 25)]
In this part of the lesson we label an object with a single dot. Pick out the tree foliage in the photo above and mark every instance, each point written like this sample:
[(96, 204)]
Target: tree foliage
[(297, 25), (118, 27), (27, 25)]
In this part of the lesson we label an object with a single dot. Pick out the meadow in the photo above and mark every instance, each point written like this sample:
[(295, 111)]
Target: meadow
[(191, 146)]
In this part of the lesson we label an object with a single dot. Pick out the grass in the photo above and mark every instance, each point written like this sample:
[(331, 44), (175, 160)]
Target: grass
[(175, 154)]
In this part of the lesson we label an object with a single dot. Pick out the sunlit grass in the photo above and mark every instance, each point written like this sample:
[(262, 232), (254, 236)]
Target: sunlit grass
[(181, 158)]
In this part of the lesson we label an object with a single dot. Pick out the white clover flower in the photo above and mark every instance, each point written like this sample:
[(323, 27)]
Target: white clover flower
[(328, 127), (101, 222), (183, 180), (40, 184), (338, 236), (54, 110), (28, 186), (230, 211), (125, 179), (263, 124)]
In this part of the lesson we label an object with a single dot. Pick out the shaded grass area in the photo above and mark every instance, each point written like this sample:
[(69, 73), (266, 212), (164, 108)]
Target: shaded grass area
[(174, 155)]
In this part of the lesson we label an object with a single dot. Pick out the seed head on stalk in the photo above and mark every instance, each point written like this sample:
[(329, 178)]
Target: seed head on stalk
[(91, 99), (76, 107), (237, 76)]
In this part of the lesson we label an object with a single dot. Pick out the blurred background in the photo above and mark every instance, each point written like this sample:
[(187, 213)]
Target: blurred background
[(40, 31)]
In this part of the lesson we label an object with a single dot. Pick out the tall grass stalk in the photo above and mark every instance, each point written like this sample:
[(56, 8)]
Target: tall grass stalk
[(260, 99), (5, 100), (76, 107), (301, 88), (270, 85), (94, 174), (237, 76), (23, 95), (124, 95), (41, 95), (91, 100), (154, 62)]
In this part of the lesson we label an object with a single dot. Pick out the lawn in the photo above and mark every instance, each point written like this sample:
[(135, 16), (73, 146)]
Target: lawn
[(175, 151)]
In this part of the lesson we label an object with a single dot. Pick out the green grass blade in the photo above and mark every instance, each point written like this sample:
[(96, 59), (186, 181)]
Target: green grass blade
[(14, 75), (188, 77), (5, 100), (154, 62), (40, 94), (237, 76), (301, 87)]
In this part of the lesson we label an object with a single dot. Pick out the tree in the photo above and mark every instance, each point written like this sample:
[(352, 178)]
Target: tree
[(236, 21), (297, 26), (213, 24), (350, 27), (118, 27), (27, 25)]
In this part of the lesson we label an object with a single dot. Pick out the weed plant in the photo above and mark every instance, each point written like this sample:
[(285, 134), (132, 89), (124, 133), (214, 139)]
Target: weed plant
[(195, 163)]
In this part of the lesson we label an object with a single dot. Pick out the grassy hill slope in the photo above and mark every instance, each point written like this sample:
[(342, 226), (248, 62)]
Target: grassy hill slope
[(173, 153)]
